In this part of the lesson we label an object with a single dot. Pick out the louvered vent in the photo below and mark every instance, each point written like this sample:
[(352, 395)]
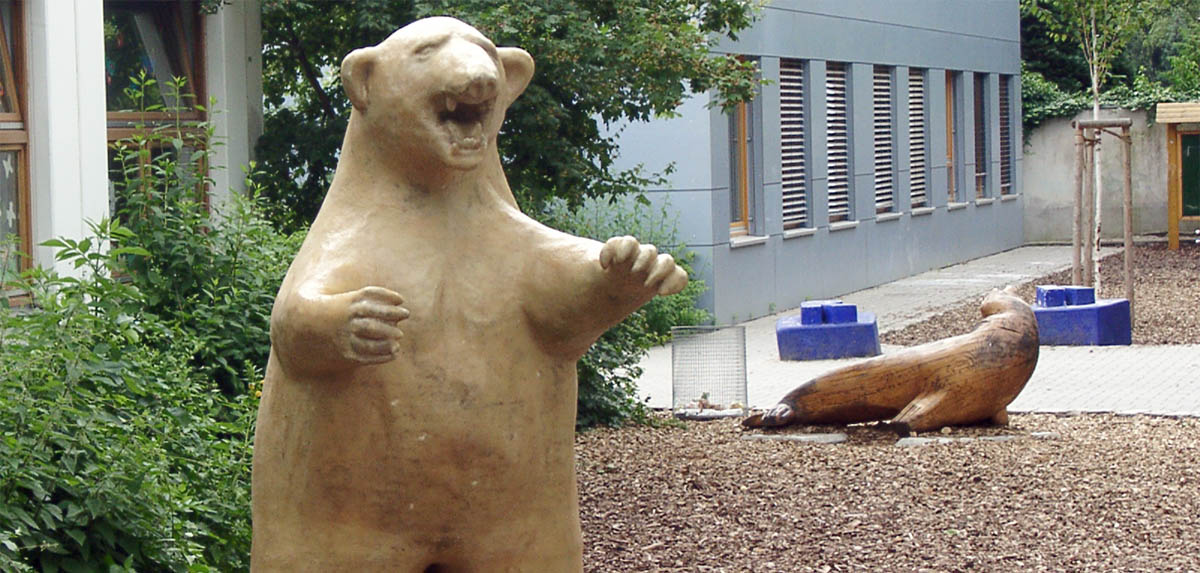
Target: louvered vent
[(792, 148), (916, 137), (1005, 137), (838, 146), (882, 98)]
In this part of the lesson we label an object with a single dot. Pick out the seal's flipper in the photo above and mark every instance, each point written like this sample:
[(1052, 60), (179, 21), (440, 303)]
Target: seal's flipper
[(925, 412)]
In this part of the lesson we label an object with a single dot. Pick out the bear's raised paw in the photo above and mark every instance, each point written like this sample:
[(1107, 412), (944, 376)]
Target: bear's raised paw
[(627, 260)]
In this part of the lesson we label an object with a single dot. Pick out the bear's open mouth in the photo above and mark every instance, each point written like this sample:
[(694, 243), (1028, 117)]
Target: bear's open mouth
[(464, 119)]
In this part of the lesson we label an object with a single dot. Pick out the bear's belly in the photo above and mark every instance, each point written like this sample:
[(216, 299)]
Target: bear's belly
[(431, 447)]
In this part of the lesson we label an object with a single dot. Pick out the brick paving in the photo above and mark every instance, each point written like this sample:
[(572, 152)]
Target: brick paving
[(1161, 380)]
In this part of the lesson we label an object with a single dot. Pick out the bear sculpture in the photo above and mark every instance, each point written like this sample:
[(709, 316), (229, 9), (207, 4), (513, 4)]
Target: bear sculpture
[(418, 412)]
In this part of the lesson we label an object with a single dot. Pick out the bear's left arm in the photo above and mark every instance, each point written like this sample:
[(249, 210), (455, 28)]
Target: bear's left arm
[(579, 287)]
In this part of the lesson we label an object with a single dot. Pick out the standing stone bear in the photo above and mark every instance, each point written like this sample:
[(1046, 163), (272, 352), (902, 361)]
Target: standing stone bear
[(418, 413)]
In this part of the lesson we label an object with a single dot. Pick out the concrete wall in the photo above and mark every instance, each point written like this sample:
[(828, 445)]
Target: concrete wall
[(1049, 179), (67, 119), (776, 270)]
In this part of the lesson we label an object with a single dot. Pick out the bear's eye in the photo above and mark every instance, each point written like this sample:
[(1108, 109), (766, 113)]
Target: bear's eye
[(424, 50)]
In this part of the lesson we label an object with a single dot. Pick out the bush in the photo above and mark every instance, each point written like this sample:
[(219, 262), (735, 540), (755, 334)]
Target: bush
[(127, 392), (608, 372), (115, 453), (215, 269)]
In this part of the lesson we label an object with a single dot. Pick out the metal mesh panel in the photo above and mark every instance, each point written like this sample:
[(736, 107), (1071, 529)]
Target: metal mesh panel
[(708, 362)]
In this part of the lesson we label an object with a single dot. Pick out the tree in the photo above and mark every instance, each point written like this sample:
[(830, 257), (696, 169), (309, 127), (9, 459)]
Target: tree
[(598, 62), (1171, 34), (1101, 29)]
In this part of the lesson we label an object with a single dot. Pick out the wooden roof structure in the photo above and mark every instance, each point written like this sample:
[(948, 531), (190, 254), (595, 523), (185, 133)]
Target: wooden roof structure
[(1188, 112), (1180, 119)]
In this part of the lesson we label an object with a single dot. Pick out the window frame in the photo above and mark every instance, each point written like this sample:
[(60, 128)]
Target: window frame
[(14, 135), (741, 172), (953, 129)]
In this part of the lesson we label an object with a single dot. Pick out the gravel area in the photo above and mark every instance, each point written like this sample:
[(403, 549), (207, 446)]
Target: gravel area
[(1059, 493), (1166, 291), (1108, 493)]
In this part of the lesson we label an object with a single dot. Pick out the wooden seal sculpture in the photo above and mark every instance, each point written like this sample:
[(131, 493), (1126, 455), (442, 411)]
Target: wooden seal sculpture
[(448, 447), (959, 380)]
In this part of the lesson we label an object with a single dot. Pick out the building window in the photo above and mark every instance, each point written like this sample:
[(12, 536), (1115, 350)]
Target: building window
[(742, 173), (884, 166), (159, 40), (14, 141), (155, 87), (981, 136), (952, 130), (792, 144), (917, 138), (837, 133), (1006, 167)]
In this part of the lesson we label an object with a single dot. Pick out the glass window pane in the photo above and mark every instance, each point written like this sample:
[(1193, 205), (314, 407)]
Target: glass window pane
[(8, 86), (10, 213), (150, 39)]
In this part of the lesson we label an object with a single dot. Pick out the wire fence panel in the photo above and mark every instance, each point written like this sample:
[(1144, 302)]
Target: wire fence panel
[(708, 367)]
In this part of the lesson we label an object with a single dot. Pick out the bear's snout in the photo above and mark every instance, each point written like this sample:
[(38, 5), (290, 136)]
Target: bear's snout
[(473, 75)]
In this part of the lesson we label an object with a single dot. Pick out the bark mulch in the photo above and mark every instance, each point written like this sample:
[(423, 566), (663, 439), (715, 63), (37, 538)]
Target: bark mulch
[(1103, 493), (1109, 493)]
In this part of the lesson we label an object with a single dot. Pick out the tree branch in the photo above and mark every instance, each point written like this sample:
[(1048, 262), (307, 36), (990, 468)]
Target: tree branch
[(310, 75)]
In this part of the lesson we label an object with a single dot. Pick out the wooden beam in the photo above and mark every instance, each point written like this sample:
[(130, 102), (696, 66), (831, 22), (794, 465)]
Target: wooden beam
[(1127, 164), (1102, 123), (1174, 186), (1188, 112), (1077, 231)]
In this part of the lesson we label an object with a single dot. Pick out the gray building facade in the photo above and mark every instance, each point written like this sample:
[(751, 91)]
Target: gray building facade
[(885, 142)]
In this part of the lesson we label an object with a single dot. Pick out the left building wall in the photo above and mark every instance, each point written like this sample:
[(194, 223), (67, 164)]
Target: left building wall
[(63, 49)]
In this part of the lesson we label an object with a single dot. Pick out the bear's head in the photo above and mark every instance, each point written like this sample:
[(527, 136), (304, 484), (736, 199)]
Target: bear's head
[(435, 90)]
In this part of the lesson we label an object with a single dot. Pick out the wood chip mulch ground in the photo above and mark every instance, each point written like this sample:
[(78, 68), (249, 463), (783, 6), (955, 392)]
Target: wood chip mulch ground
[(1166, 294), (1065, 493)]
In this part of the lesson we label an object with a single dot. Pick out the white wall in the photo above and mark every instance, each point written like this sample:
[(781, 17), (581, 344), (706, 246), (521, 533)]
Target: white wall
[(1049, 179), (67, 145), (233, 71)]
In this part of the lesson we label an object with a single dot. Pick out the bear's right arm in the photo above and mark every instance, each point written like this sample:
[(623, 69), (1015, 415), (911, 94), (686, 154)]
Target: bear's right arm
[(315, 332)]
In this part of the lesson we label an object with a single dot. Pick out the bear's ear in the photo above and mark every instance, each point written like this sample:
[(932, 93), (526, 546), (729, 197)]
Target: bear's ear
[(518, 69), (356, 73)]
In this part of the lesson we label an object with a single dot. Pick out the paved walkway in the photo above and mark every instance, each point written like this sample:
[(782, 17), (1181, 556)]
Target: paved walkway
[(1124, 379)]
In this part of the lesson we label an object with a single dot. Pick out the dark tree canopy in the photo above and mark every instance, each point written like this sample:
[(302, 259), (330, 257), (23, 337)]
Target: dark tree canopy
[(1058, 60), (597, 62)]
